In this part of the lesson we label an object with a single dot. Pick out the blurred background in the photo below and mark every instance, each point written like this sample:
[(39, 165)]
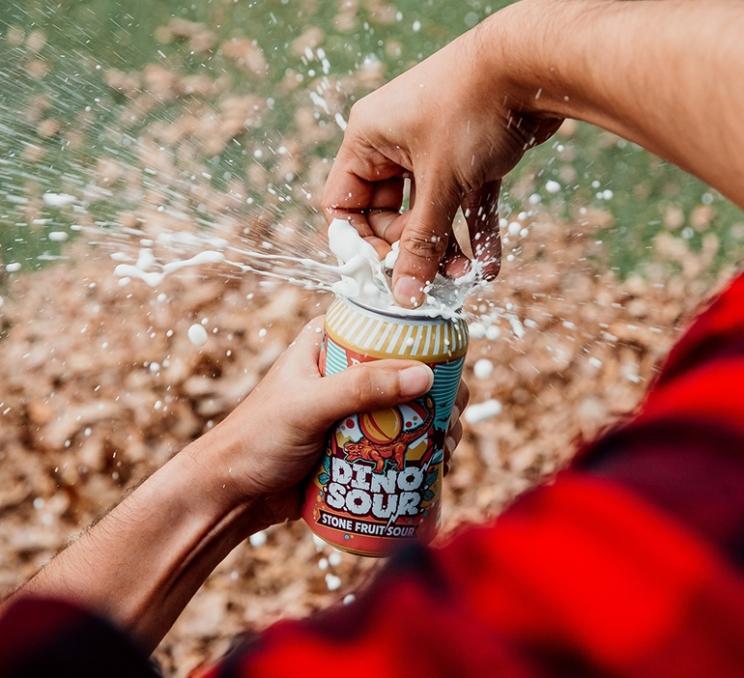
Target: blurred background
[(131, 125)]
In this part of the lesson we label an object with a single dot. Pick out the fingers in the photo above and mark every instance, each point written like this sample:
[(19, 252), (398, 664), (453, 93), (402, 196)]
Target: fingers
[(480, 208), (424, 239), (365, 188), (370, 386), (303, 353), (481, 213), (353, 183)]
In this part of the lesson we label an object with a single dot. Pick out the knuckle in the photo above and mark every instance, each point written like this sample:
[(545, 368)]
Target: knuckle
[(329, 209), (329, 199), (325, 201), (357, 116), (424, 243), (358, 109), (355, 110), (363, 387)]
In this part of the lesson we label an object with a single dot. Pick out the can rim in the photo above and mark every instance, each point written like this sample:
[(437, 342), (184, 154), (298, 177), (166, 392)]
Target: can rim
[(457, 313)]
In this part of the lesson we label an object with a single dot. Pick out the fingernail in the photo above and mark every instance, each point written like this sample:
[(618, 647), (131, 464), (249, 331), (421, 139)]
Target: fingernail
[(409, 291), (450, 444), (454, 416), (415, 381)]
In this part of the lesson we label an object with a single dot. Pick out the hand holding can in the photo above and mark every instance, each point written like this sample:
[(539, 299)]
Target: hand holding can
[(379, 482)]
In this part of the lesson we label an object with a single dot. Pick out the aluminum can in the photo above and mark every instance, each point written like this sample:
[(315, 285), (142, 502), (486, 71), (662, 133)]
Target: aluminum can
[(379, 482)]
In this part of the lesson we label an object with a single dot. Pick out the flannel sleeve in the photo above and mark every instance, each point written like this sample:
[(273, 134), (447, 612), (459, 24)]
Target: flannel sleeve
[(628, 564)]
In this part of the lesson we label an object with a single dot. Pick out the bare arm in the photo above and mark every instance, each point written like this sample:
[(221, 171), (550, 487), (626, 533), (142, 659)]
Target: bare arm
[(144, 561), (666, 74)]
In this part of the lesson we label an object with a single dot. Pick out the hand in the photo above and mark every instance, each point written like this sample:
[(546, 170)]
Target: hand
[(448, 124), (269, 445)]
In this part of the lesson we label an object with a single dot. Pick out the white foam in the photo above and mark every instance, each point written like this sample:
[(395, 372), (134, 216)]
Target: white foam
[(362, 275), (257, 539), (197, 335), (333, 582), (58, 199), (493, 332), (481, 411), (483, 368), (366, 279), (146, 261), (477, 330), (517, 327), (190, 239)]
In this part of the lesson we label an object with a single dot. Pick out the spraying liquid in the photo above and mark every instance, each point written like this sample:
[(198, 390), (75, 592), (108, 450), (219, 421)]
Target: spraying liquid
[(365, 278), (360, 274)]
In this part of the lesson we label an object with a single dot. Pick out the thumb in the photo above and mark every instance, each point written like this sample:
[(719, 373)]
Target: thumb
[(371, 386), (424, 240)]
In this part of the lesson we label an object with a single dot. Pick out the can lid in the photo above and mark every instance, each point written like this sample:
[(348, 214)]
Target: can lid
[(372, 333), (404, 313)]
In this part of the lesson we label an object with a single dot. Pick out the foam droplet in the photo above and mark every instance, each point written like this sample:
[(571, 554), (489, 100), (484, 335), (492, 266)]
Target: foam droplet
[(257, 539), (58, 199), (482, 411), (483, 368), (332, 582), (197, 335)]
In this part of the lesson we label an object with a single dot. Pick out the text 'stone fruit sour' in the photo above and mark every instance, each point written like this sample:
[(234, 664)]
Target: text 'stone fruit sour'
[(379, 482)]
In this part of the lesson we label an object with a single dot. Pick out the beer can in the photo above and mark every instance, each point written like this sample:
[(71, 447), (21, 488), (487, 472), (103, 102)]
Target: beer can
[(379, 482)]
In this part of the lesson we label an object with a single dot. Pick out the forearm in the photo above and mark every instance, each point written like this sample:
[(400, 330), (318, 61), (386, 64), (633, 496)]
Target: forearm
[(665, 74), (143, 562)]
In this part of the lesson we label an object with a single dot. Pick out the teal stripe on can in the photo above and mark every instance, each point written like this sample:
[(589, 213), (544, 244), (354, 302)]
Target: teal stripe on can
[(336, 360), (444, 390)]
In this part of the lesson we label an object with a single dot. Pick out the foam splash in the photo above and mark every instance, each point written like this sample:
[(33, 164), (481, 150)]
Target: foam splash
[(365, 278), (478, 412), (146, 261), (360, 274)]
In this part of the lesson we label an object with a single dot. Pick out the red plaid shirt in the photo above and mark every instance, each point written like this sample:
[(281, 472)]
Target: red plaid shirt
[(628, 564)]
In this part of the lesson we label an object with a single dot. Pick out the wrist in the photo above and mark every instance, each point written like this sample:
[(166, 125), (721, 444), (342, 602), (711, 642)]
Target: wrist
[(207, 468), (537, 53)]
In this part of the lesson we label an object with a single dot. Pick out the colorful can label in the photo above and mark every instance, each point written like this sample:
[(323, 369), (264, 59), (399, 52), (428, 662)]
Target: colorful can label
[(379, 483)]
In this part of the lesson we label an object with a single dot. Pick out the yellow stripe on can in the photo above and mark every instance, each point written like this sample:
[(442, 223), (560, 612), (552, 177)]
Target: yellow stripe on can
[(388, 335)]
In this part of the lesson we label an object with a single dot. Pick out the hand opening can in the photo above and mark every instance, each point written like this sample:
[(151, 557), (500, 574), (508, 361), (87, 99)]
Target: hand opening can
[(379, 482)]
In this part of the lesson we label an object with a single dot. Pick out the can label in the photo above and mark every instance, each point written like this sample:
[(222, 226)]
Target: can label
[(380, 478)]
